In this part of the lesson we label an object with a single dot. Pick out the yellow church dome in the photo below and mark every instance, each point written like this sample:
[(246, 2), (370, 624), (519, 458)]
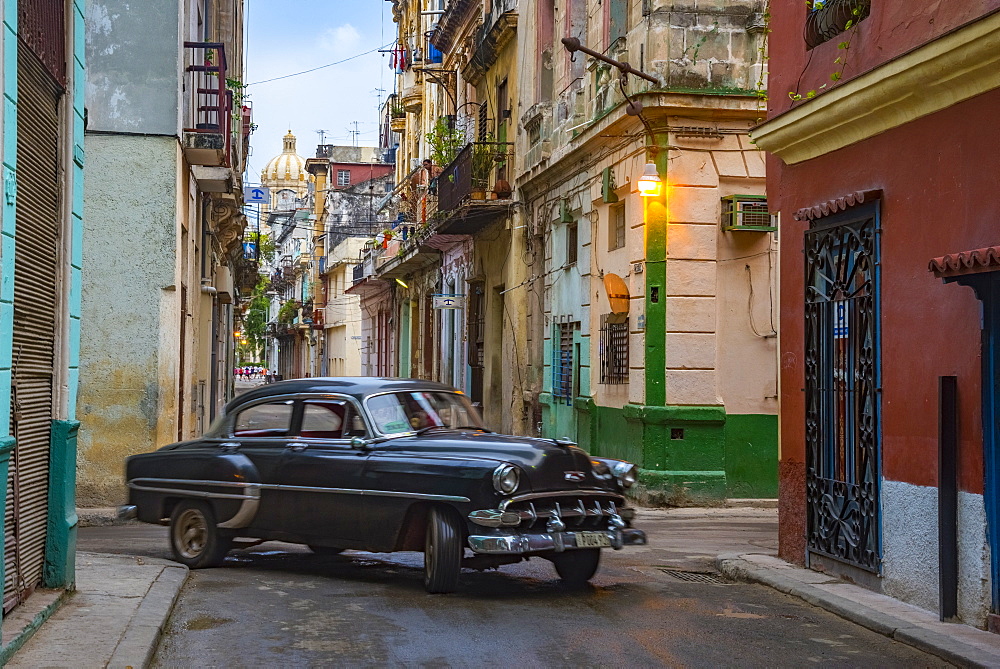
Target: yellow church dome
[(286, 169)]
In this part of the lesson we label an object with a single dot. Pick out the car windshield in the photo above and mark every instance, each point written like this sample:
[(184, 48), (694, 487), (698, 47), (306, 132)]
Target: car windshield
[(397, 413)]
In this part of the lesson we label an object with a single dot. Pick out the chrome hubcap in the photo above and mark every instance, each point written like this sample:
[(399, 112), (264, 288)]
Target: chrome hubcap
[(190, 533)]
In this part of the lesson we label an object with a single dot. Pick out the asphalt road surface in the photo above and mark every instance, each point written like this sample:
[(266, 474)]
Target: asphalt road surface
[(279, 605)]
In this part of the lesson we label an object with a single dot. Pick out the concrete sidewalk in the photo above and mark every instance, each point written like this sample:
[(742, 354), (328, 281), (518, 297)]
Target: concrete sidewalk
[(113, 619), (959, 644)]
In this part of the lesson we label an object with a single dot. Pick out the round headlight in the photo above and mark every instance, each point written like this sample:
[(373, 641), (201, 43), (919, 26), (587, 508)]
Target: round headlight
[(626, 473), (506, 478)]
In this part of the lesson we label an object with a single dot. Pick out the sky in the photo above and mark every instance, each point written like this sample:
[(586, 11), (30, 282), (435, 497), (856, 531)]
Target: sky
[(288, 36)]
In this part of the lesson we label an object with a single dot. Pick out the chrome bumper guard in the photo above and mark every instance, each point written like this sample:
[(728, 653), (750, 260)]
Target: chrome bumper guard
[(128, 512), (506, 542)]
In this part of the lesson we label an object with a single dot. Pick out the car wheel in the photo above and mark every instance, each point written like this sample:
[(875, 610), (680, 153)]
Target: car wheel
[(578, 566), (442, 551), (325, 550), (194, 537)]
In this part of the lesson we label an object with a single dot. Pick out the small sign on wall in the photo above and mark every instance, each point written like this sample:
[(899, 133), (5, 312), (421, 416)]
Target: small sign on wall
[(448, 301)]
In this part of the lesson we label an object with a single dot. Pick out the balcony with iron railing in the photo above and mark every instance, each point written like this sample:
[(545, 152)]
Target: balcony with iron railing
[(208, 131), (474, 188), (495, 32)]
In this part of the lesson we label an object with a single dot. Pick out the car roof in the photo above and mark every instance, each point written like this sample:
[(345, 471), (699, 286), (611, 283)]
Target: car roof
[(356, 386)]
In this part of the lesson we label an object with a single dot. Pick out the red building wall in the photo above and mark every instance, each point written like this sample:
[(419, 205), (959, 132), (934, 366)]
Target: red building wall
[(892, 29), (360, 171), (939, 180)]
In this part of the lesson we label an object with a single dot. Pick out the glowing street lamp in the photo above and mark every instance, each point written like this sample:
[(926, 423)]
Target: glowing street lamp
[(649, 182)]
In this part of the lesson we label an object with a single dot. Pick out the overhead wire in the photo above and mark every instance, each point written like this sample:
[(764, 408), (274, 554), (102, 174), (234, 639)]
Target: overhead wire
[(320, 67)]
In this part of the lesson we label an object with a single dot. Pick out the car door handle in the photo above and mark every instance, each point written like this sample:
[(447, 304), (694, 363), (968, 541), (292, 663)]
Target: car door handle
[(229, 446), (297, 446)]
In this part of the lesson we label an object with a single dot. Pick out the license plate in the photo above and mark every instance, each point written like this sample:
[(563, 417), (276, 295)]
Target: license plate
[(592, 540)]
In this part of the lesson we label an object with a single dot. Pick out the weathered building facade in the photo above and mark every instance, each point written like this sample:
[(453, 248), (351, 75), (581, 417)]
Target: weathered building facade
[(41, 260), (880, 342), (651, 319), (167, 139)]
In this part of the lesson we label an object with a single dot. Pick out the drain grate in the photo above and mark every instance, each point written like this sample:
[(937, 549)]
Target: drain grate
[(695, 576)]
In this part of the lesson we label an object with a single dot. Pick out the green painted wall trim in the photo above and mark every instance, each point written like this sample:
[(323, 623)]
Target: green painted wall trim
[(661, 415), (60, 542), (14, 645), (6, 446), (680, 488), (752, 456), (710, 457)]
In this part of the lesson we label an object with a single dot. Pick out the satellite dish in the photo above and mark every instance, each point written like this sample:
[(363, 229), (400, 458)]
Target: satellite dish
[(617, 293)]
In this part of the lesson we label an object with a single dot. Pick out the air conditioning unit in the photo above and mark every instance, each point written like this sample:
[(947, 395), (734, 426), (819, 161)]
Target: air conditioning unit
[(747, 213)]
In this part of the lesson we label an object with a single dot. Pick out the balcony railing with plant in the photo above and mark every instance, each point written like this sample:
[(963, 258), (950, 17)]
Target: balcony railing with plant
[(209, 99), (477, 174)]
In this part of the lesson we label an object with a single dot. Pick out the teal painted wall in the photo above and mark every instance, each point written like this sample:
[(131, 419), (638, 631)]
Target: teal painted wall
[(8, 229), (78, 83), (7, 224)]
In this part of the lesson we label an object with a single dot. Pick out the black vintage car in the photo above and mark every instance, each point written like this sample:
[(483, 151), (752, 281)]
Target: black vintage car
[(382, 465)]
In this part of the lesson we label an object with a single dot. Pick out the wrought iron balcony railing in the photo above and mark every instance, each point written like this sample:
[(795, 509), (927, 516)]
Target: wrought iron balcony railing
[(210, 105), (478, 174)]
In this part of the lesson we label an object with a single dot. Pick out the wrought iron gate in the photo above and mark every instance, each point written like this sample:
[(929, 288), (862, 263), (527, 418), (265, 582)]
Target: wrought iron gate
[(843, 435)]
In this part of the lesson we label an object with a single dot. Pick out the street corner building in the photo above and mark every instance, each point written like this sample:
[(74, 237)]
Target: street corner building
[(886, 188), (41, 227), (167, 137), (524, 265)]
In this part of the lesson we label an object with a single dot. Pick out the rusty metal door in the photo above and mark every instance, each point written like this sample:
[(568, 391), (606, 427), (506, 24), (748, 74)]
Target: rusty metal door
[(35, 291)]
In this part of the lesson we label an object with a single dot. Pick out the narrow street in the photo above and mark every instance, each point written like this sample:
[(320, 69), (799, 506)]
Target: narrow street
[(279, 605)]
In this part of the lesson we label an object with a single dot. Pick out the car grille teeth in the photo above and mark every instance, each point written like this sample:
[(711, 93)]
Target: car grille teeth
[(580, 512)]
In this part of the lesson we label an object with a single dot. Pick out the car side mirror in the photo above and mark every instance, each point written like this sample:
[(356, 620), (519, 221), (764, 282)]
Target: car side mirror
[(360, 443)]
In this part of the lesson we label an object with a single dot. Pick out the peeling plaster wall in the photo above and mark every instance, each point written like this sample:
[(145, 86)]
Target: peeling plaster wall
[(910, 549), (132, 71), (127, 374)]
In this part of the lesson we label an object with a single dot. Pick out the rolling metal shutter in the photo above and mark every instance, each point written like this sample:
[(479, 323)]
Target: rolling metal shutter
[(35, 298)]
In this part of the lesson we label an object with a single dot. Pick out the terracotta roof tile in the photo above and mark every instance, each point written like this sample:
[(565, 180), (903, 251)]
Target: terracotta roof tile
[(836, 205), (986, 259)]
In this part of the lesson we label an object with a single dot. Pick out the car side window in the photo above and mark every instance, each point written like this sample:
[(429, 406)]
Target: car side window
[(323, 420), (331, 420), (272, 419)]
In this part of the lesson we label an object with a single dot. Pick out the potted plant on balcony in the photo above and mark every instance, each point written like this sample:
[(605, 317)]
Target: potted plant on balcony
[(483, 156), (445, 140)]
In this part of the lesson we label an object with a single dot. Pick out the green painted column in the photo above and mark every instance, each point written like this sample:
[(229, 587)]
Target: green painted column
[(655, 219), (60, 541)]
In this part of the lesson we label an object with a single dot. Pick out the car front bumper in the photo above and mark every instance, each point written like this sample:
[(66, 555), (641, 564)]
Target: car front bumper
[(512, 542)]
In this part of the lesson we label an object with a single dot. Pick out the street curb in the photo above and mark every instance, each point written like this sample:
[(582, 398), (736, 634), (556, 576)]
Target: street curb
[(10, 648), (138, 643), (735, 567), (100, 517)]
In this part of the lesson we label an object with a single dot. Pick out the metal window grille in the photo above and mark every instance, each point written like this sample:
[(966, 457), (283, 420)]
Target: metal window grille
[(614, 349), (843, 446), (562, 363)]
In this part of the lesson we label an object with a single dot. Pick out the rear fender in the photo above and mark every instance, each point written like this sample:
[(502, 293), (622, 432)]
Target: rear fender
[(229, 482)]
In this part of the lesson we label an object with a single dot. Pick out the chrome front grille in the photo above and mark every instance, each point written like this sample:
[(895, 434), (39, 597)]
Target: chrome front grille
[(558, 513)]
